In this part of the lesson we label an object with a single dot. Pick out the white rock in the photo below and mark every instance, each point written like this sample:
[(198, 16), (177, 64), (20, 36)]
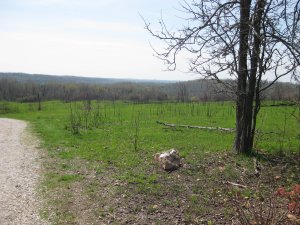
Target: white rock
[(169, 160)]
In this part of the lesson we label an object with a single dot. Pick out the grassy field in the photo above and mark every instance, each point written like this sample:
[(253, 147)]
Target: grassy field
[(100, 167)]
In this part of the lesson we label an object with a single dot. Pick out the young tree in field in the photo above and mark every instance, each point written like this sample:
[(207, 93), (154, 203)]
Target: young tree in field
[(249, 40), (182, 92)]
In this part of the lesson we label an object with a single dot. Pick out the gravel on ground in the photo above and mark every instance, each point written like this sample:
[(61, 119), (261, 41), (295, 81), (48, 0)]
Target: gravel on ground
[(20, 168)]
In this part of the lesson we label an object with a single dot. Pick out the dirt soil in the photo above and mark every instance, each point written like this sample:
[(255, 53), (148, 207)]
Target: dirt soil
[(20, 163)]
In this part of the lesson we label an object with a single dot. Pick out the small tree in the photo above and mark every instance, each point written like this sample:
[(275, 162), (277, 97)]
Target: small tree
[(39, 101), (248, 40), (182, 92)]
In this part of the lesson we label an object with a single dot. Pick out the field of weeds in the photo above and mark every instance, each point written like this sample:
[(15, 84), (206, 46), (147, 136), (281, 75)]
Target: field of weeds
[(100, 166)]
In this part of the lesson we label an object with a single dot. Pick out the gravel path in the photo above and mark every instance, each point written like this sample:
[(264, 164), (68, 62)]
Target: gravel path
[(19, 175)]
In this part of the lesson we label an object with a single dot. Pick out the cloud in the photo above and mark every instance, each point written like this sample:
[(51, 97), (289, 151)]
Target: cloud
[(72, 3), (104, 26)]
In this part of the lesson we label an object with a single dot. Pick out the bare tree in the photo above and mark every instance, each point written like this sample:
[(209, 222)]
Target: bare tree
[(182, 92), (248, 40)]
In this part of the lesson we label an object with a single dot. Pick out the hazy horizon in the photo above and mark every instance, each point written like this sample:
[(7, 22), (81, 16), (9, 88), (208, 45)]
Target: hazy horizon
[(84, 38), (88, 38), (96, 76)]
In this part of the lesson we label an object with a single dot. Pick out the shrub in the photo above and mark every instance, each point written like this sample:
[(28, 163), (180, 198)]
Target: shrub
[(294, 198), (260, 211)]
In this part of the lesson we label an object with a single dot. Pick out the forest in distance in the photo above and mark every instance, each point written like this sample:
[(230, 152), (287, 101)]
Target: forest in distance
[(32, 88)]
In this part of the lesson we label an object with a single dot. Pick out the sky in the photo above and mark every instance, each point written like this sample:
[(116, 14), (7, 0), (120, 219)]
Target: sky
[(94, 38)]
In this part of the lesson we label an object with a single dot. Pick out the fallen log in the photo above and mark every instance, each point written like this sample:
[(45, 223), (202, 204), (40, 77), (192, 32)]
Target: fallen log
[(197, 127), (235, 184)]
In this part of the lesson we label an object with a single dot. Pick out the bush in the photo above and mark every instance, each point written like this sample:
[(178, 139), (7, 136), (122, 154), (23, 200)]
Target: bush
[(294, 198)]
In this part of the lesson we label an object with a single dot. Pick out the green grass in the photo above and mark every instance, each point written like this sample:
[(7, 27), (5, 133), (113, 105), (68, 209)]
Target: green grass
[(112, 141), (104, 146), (115, 133)]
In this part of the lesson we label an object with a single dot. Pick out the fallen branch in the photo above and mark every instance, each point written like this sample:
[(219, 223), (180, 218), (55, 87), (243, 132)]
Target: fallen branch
[(197, 127), (235, 184)]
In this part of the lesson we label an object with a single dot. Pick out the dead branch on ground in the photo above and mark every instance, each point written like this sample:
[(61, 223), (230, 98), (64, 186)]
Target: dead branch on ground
[(197, 127)]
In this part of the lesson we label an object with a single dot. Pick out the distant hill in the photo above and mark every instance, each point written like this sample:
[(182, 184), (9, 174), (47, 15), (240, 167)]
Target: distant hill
[(43, 79), (29, 87)]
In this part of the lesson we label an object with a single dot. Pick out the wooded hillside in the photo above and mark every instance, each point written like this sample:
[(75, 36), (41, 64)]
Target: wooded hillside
[(29, 88)]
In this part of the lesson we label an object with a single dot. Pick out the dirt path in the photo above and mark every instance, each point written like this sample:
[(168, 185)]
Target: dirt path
[(19, 175)]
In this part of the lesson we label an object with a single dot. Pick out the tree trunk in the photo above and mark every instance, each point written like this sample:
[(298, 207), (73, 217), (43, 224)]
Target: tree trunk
[(243, 121), (39, 102), (247, 81)]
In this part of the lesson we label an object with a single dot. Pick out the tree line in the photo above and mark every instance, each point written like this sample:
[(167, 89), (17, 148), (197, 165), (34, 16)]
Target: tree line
[(197, 90)]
